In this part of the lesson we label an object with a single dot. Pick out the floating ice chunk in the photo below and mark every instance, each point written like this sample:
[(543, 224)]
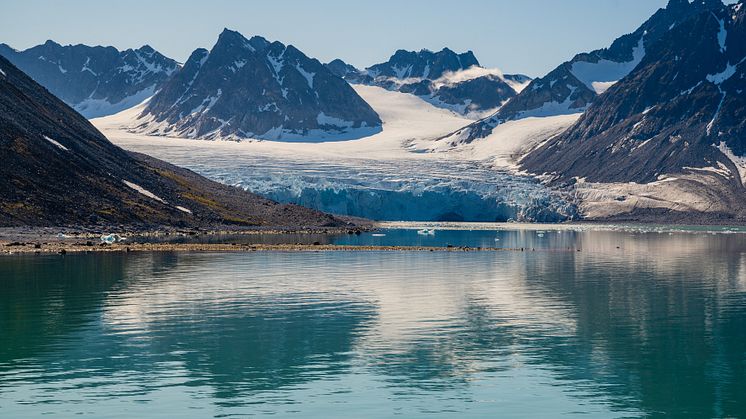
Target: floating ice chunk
[(111, 238)]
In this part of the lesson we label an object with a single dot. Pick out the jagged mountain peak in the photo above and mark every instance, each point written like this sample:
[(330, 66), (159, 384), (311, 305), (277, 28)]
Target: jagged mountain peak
[(423, 64), (95, 80), (343, 70), (682, 4), (259, 43), (255, 88), (231, 40), (50, 43)]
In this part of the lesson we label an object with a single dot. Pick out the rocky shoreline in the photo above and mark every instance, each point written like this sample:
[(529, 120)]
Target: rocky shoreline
[(62, 248)]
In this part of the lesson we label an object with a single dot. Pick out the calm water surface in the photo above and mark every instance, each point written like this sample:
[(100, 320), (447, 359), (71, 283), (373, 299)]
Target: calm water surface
[(632, 324)]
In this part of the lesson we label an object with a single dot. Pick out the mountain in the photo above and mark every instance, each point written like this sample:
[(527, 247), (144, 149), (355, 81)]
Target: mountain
[(445, 78), (575, 84), (58, 170), (253, 88), (424, 64), (464, 95), (679, 117), (341, 69), (95, 81)]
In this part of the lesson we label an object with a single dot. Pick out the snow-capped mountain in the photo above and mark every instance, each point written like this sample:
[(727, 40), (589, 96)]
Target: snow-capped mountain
[(575, 84), (59, 170), (254, 88), (424, 64), (679, 118), (95, 81), (445, 78)]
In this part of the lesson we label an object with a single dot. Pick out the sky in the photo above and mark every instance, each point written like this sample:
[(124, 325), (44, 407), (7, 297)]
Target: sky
[(518, 36)]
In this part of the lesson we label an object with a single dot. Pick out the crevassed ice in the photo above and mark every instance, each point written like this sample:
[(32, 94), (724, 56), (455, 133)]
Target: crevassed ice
[(407, 191)]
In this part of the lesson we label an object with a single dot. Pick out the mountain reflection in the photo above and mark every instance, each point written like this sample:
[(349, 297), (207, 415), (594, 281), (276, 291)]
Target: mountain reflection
[(43, 299), (647, 323)]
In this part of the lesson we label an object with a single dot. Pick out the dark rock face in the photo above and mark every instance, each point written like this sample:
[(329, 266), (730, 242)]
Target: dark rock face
[(682, 108), (340, 68), (486, 92), (575, 84), (348, 72), (257, 89), (58, 170), (95, 81)]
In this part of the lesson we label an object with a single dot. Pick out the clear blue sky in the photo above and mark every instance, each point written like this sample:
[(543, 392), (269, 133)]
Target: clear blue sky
[(528, 36)]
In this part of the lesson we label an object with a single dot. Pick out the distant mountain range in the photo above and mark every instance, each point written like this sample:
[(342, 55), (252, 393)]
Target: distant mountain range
[(254, 88), (58, 170), (445, 78), (95, 81)]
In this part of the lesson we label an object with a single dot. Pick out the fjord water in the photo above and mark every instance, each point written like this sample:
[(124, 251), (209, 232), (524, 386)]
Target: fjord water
[(591, 323)]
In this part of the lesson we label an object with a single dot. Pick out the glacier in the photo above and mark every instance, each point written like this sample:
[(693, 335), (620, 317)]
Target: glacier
[(388, 176), (405, 191)]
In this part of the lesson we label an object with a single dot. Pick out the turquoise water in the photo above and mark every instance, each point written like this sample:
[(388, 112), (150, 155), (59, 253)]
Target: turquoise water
[(591, 323)]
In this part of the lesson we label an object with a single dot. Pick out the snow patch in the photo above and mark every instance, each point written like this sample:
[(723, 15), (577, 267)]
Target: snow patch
[(602, 86), (95, 108), (724, 75), (207, 103), (237, 65), (509, 142), (323, 119), (182, 209), (599, 76), (62, 147), (402, 72), (738, 161), (143, 191), (277, 63), (722, 34), (306, 74), (88, 69), (552, 108)]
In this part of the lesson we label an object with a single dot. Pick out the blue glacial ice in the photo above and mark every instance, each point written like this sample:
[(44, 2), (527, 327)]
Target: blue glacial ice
[(397, 189)]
